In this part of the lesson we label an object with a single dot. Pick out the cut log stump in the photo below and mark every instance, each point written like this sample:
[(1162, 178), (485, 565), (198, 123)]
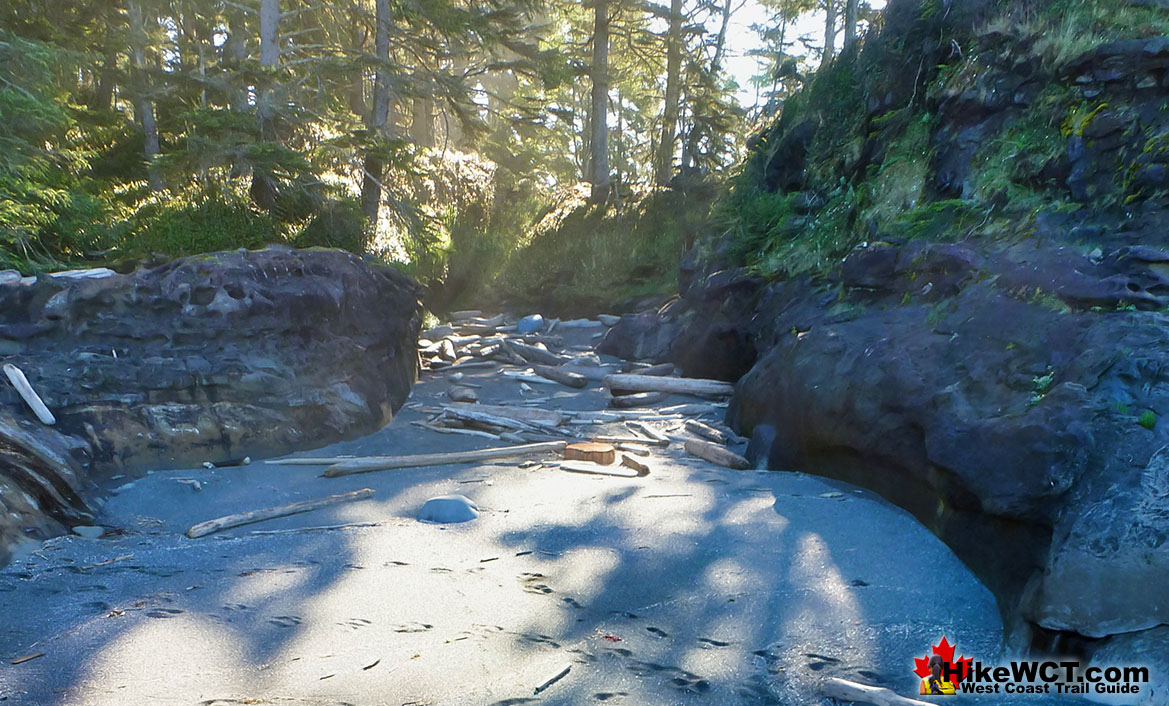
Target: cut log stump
[(603, 454)]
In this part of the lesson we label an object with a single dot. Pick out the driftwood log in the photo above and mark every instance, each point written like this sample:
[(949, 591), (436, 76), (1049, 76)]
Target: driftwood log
[(385, 463), (705, 431), (533, 354), (632, 440), (630, 462), (845, 690), (523, 414), (560, 375), (246, 518), (638, 399), (29, 395), (714, 453), (680, 386), (646, 430)]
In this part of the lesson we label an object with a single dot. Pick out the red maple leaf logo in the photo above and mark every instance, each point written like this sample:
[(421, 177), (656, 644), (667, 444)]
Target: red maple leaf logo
[(960, 668)]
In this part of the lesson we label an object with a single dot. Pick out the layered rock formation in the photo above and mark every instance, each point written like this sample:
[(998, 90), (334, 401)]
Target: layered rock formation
[(987, 345), (209, 358)]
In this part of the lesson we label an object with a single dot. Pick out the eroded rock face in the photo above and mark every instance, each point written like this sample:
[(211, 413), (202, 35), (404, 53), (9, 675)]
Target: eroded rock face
[(213, 357), (963, 390)]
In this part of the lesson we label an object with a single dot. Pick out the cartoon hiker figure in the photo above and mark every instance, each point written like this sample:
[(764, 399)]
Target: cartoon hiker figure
[(935, 683)]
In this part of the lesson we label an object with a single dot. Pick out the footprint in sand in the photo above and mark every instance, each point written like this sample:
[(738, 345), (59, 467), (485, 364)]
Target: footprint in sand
[(285, 621)]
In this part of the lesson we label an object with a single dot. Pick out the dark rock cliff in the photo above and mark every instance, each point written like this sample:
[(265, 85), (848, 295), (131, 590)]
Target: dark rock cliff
[(204, 359), (946, 280)]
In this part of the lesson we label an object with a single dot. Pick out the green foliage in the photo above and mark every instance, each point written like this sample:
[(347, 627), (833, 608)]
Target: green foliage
[(584, 257), (338, 224), (201, 224), (1148, 419)]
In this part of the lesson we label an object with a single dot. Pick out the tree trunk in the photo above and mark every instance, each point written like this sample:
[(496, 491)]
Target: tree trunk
[(263, 190), (664, 164), (269, 58), (850, 10), (104, 96), (829, 32), (143, 106), (599, 114), (720, 46), (235, 50), (371, 190), (422, 123)]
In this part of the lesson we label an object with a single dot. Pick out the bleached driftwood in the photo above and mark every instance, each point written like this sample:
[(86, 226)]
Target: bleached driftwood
[(385, 463), (532, 354), (706, 431), (863, 693), (630, 462), (682, 386), (632, 440), (450, 430), (29, 395), (524, 414), (564, 377), (469, 414), (714, 453), (638, 399), (646, 430), (246, 518)]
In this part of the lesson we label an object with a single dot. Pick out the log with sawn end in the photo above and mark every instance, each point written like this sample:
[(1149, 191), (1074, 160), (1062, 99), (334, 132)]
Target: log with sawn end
[(679, 386), (385, 463), (246, 518), (714, 453)]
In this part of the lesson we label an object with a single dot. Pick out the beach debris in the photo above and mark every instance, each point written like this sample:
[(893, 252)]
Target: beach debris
[(530, 324), (460, 393), (533, 354), (560, 375), (32, 656), (630, 462), (705, 431), (383, 463), (631, 440), (629, 382), (638, 399), (89, 531), (716, 454), (29, 395), (553, 679), (448, 509), (244, 518), (647, 431)]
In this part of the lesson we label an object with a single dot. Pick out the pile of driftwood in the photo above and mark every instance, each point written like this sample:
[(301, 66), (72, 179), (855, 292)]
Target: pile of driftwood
[(528, 431)]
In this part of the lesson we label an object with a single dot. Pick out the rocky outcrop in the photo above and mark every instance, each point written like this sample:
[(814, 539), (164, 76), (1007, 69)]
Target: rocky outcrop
[(992, 356), (205, 359)]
